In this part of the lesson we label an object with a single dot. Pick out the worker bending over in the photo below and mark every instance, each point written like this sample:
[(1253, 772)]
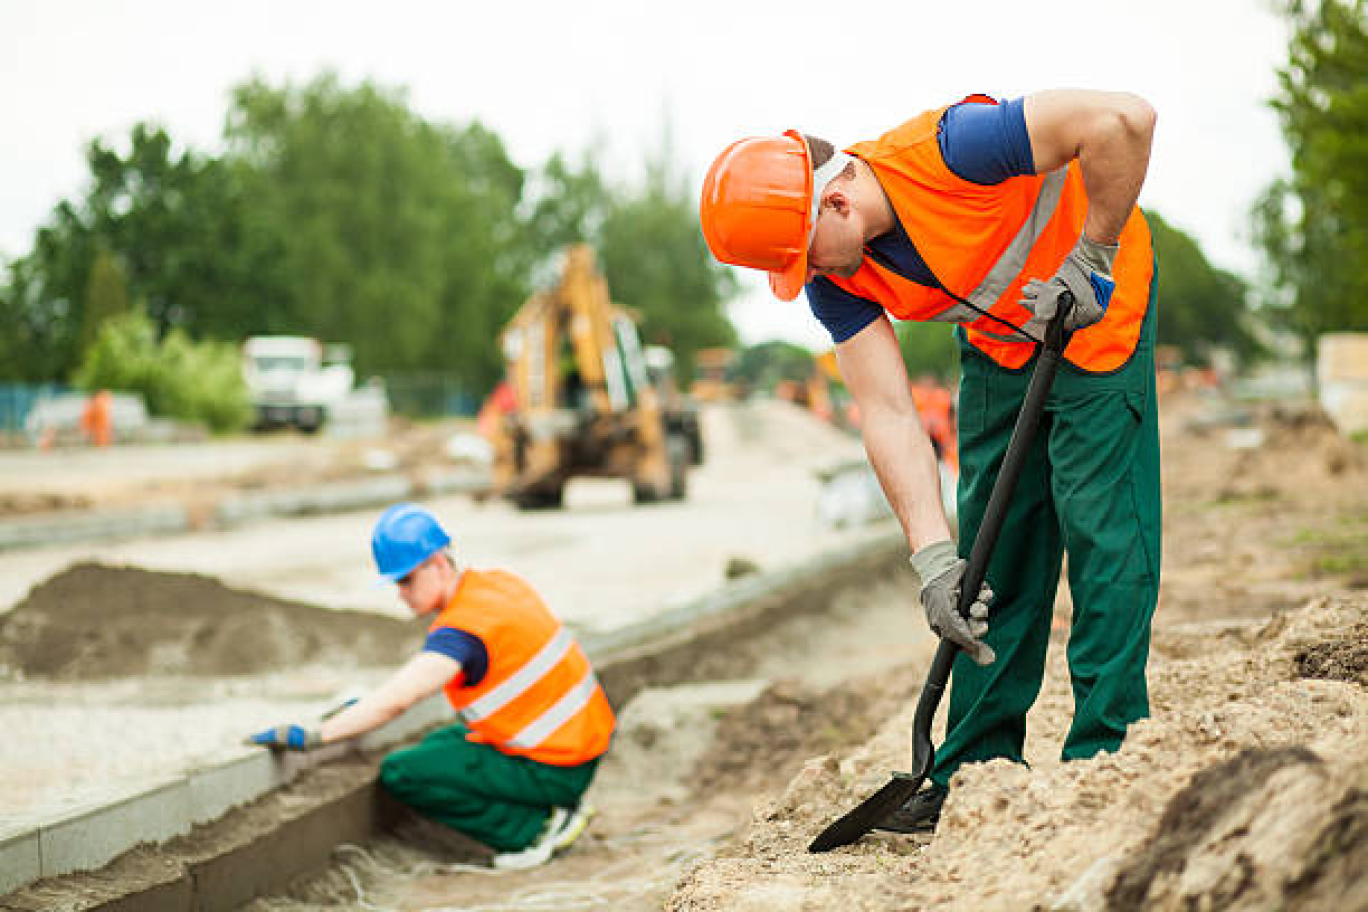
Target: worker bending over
[(981, 213), (534, 719)]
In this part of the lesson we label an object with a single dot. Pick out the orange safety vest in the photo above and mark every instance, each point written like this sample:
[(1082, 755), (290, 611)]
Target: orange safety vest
[(539, 697), (983, 243)]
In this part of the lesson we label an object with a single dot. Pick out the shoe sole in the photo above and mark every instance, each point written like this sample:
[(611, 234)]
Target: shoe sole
[(574, 829)]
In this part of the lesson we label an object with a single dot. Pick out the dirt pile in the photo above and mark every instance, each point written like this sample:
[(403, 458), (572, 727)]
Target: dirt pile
[(1248, 789), (96, 621)]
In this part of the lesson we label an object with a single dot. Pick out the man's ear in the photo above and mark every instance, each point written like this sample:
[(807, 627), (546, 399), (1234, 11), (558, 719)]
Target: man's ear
[(838, 199)]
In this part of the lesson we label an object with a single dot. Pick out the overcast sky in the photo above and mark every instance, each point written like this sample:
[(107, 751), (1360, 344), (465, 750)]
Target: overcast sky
[(555, 75)]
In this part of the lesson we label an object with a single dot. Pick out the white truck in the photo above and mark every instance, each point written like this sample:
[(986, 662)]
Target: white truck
[(295, 381)]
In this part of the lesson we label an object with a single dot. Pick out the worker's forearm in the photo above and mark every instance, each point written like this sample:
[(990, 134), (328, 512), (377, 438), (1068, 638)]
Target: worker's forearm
[(905, 462), (366, 715)]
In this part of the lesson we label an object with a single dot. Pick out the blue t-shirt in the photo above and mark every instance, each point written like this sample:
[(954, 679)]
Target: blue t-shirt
[(465, 648), (982, 143)]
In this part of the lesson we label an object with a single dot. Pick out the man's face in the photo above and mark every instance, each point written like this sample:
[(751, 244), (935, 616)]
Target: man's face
[(837, 247), (422, 589)]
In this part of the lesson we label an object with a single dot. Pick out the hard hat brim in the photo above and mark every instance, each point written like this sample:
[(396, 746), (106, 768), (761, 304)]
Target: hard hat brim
[(788, 284)]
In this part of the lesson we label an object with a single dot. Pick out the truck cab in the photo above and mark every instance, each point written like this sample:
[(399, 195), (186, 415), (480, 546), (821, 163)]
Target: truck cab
[(294, 381)]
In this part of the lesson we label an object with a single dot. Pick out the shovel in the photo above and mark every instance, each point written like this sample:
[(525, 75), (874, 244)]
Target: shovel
[(878, 806)]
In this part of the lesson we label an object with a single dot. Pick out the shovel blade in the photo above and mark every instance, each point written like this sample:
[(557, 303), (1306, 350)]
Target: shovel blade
[(869, 814)]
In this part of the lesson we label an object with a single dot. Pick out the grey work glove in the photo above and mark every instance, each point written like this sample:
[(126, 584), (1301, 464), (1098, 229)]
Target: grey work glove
[(941, 571), (1087, 272)]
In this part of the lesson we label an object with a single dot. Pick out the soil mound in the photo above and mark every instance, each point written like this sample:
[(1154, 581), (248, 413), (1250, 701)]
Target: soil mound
[(97, 621), (1247, 789)]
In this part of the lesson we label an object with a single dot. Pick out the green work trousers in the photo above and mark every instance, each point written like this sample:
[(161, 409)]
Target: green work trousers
[(500, 800), (1089, 487)]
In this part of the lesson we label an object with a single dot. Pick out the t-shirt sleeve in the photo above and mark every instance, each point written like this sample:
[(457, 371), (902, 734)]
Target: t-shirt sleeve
[(842, 313), (987, 143), (465, 648)]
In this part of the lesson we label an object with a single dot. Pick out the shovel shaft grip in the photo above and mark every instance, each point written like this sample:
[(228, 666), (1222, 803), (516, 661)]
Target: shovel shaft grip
[(1023, 434)]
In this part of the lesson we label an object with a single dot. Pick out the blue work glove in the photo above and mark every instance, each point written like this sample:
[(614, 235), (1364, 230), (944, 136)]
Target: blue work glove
[(1087, 272), (288, 737)]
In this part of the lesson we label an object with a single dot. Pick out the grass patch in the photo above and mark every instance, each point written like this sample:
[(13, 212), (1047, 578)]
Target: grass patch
[(1338, 547)]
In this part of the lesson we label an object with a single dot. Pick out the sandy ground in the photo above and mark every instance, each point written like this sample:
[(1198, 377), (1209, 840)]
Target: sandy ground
[(1246, 790), (134, 661)]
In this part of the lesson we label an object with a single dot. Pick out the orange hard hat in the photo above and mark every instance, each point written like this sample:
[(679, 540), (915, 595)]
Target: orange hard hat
[(756, 208)]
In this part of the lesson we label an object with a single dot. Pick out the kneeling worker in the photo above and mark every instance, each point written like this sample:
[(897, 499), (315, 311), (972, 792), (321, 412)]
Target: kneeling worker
[(534, 719)]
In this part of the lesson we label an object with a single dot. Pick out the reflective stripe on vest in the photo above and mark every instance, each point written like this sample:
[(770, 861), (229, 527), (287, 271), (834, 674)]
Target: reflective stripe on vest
[(1013, 259), (562, 711), (1011, 262), (538, 698), (524, 678)]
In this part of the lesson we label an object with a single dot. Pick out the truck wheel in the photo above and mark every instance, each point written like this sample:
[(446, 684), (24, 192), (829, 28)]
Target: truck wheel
[(309, 420), (695, 446), (678, 451), (644, 493), (551, 498)]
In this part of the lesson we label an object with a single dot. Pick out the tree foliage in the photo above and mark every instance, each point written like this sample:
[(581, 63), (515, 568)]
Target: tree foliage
[(1201, 308), (336, 211), (766, 364), (650, 248), (1313, 223), (199, 382), (399, 237), (172, 229), (929, 348)]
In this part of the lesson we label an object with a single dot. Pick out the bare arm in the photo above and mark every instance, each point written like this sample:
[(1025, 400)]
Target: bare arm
[(420, 677), (1110, 135), (894, 438)]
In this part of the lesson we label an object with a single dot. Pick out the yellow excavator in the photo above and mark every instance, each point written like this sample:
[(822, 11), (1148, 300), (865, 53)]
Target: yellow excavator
[(586, 399)]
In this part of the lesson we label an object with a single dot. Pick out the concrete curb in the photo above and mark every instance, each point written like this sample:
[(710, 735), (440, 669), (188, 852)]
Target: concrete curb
[(92, 837), (94, 525), (88, 838), (233, 510)]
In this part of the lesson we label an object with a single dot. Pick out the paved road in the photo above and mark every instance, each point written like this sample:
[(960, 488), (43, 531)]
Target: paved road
[(600, 563)]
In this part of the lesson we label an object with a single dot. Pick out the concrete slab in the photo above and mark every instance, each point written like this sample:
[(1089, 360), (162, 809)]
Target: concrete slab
[(21, 859), (217, 789), (89, 839)]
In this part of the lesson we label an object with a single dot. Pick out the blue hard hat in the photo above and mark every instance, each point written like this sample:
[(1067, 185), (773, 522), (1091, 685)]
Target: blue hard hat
[(405, 535)]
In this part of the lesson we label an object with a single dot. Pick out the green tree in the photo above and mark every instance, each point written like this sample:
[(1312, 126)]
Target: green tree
[(192, 381), (649, 246), (399, 237), (929, 348), (762, 366), (1313, 223), (106, 296), (657, 263), (174, 227), (37, 336), (1201, 308)]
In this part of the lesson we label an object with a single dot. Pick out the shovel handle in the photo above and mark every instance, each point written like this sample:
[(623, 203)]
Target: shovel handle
[(1023, 434), (903, 786)]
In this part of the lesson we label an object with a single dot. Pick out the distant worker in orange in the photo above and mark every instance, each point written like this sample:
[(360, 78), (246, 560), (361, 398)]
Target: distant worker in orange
[(936, 407), (534, 719), (984, 212), (96, 420)]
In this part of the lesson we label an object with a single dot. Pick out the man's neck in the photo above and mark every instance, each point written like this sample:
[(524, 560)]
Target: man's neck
[(880, 218)]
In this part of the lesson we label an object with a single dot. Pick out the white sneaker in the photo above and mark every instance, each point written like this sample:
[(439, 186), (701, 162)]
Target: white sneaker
[(574, 826), (541, 849)]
